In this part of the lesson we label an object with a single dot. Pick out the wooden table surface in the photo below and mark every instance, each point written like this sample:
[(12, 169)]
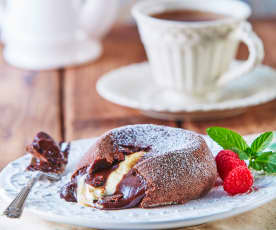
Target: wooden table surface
[(64, 102)]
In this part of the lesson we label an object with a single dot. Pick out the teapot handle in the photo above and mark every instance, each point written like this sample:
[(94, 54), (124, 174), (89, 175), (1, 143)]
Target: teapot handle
[(97, 16)]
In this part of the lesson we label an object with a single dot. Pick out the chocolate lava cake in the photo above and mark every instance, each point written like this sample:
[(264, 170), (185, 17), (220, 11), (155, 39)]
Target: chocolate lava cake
[(143, 166)]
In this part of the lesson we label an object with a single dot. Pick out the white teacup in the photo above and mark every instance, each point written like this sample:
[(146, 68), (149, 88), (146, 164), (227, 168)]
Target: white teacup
[(193, 58)]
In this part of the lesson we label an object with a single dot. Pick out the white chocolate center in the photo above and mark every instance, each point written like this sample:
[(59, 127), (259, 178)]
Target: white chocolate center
[(86, 194)]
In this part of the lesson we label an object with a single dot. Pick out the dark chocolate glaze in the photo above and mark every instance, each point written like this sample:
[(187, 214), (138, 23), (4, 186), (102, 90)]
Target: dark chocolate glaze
[(99, 178), (47, 154), (68, 192), (129, 192)]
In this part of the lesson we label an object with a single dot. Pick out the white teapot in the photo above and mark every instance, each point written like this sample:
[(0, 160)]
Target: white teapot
[(46, 34)]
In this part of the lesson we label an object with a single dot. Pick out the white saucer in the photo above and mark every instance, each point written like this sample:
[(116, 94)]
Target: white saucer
[(132, 86), (44, 201)]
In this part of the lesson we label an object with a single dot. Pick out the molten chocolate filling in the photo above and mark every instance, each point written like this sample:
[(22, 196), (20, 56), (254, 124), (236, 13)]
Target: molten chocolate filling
[(129, 191), (47, 154)]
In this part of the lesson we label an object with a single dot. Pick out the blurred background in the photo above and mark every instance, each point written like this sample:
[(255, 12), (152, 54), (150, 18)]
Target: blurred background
[(261, 9), (64, 102)]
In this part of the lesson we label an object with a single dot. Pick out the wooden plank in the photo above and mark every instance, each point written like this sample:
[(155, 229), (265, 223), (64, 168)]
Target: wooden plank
[(260, 118), (86, 113), (29, 102)]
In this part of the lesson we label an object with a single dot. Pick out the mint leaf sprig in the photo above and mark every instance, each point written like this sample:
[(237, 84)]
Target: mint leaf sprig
[(259, 159)]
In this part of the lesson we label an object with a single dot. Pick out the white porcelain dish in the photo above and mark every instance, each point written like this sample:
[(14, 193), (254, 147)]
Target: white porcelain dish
[(132, 86), (44, 200)]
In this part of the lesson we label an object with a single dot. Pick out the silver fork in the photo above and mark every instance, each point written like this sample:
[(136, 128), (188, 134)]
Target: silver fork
[(15, 209)]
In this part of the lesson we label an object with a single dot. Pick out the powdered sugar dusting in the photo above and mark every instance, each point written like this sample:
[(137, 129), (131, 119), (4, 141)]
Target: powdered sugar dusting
[(161, 139), (178, 165)]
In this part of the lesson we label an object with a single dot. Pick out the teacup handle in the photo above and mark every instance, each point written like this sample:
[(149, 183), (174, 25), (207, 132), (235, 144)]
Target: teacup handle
[(256, 53)]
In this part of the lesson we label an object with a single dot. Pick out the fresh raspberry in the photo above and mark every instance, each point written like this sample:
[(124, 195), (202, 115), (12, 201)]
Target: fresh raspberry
[(224, 153), (226, 161), (228, 165), (239, 180)]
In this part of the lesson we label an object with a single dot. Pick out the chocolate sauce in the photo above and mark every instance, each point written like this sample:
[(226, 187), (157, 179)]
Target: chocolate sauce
[(129, 192), (127, 150), (68, 192), (99, 178), (47, 154), (96, 179)]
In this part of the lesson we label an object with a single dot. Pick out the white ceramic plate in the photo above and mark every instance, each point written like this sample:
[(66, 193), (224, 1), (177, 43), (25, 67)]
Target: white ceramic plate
[(132, 86), (44, 200)]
